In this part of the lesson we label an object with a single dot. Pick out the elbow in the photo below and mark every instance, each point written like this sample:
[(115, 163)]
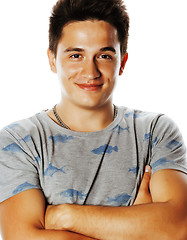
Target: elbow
[(179, 231), (184, 230), (178, 224), (29, 234)]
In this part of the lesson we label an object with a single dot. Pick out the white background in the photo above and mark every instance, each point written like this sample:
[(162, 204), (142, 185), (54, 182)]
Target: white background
[(154, 79)]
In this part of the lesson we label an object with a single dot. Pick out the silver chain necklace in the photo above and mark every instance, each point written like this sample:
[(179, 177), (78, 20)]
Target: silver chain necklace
[(59, 119), (65, 126)]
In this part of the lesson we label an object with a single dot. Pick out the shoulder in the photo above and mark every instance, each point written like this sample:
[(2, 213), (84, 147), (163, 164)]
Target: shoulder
[(141, 118), (22, 129), (147, 118), (148, 124)]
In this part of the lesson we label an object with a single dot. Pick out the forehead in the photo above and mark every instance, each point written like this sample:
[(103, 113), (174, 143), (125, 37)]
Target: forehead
[(89, 33)]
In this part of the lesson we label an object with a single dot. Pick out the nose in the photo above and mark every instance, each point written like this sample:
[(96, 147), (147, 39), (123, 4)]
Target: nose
[(90, 70)]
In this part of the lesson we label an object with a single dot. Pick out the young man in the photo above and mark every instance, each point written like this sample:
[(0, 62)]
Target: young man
[(74, 172)]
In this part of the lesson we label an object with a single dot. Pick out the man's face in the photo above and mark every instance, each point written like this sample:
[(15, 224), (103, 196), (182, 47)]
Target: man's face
[(88, 63)]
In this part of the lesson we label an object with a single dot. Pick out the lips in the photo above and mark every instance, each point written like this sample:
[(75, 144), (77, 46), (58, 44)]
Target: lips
[(90, 87)]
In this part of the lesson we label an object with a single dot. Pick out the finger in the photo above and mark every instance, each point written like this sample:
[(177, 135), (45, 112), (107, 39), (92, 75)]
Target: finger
[(147, 169), (146, 178)]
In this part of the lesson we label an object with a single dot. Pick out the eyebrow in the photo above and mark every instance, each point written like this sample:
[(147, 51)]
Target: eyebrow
[(74, 50), (105, 49)]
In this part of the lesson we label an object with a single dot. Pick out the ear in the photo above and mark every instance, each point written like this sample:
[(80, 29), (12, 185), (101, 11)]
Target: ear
[(52, 60), (123, 63)]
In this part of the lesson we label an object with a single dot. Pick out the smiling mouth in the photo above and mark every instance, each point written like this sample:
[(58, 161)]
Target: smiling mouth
[(90, 87)]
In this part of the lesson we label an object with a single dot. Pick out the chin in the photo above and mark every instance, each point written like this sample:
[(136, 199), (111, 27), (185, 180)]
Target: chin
[(91, 101), (92, 104)]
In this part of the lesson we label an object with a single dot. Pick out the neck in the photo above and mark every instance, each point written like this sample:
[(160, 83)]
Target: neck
[(82, 119)]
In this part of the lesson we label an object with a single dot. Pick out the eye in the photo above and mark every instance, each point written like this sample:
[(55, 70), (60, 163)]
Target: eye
[(76, 56), (105, 56)]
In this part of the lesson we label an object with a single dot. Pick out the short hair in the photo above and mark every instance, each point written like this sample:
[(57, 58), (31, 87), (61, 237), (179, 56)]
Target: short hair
[(66, 11)]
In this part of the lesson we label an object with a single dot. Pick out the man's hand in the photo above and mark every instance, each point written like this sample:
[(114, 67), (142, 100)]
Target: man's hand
[(58, 217), (144, 195)]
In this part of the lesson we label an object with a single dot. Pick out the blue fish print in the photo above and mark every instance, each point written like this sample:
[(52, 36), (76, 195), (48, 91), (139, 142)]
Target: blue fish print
[(161, 161), (60, 138), (105, 149), (119, 199), (135, 115), (119, 129), (26, 138), (73, 194), (37, 159), (173, 144), (154, 141), (24, 186), (12, 126), (51, 170), (138, 115), (147, 137), (129, 114), (133, 170), (13, 148)]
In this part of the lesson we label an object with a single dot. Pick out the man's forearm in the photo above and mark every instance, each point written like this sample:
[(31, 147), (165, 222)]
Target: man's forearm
[(57, 235), (166, 219), (153, 220)]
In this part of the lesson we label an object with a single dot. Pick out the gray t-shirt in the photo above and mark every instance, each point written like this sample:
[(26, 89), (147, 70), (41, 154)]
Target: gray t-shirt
[(97, 168)]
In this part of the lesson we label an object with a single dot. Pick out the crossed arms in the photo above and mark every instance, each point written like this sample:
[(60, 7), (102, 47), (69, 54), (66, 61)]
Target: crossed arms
[(161, 215)]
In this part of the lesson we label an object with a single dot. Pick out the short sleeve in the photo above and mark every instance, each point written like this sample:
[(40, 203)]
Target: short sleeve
[(18, 171), (168, 150)]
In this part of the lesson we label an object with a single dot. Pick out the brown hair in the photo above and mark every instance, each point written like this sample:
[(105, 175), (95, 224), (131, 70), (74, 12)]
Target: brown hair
[(111, 11)]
